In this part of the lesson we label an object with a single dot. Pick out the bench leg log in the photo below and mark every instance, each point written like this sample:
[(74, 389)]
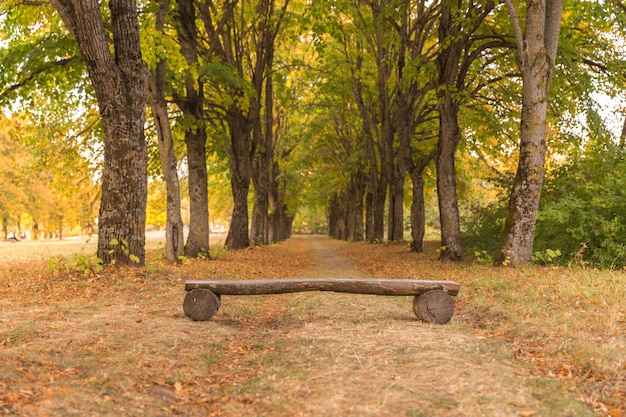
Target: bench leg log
[(434, 306), (201, 304)]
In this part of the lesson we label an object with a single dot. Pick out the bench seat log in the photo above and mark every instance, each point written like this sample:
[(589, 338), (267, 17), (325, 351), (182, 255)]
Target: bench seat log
[(432, 299), (347, 285)]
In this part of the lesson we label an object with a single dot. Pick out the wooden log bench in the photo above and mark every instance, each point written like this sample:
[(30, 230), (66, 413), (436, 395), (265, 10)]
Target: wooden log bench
[(432, 300)]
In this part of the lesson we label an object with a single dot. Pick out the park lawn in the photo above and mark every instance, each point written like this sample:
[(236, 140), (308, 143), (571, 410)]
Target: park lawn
[(528, 342)]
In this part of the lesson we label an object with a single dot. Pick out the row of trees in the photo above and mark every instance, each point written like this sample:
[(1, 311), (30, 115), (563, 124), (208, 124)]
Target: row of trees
[(319, 103), (410, 69)]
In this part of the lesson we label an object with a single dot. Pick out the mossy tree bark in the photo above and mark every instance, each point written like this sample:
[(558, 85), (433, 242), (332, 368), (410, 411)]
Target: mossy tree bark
[(120, 83), (536, 57)]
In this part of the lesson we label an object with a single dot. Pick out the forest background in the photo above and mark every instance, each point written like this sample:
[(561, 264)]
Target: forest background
[(315, 116)]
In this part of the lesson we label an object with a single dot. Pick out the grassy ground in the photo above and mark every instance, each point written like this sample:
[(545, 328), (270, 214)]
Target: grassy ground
[(526, 342)]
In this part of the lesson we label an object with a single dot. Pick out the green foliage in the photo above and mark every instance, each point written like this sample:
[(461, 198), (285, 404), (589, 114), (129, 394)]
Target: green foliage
[(482, 228), (546, 257), (585, 203), (483, 256), (86, 264), (582, 217)]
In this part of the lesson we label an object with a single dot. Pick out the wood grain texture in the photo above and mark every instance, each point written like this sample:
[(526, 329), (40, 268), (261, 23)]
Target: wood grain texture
[(344, 285)]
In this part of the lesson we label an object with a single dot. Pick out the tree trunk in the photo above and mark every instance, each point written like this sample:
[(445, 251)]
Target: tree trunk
[(355, 220), (259, 223), (192, 106), (240, 168), (262, 163), (448, 60), (536, 57), (119, 82), (376, 181), (449, 136), (279, 222), (369, 216), (174, 239), (418, 212), (395, 229)]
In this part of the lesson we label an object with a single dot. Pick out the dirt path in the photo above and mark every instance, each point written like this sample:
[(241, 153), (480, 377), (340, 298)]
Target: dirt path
[(328, 261), (360, 355)]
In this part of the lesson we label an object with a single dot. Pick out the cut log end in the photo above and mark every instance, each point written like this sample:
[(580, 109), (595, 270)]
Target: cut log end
[(435, 306), (201, 304)]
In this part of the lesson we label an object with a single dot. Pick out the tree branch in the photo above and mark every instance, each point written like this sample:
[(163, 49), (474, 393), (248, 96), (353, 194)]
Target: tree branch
[(34, 75), (517, 29)]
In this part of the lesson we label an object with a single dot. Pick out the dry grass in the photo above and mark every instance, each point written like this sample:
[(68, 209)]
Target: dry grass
[(560, 323), (526, 342)]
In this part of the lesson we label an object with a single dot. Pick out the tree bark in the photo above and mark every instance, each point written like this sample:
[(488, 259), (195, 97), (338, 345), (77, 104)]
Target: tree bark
[(279, 221), (119, 81), (536, 57), (345, 285), (451, 41), (395, 228), (240, 168), (449, 136), (418, 213), (192, 106), (174, 247)]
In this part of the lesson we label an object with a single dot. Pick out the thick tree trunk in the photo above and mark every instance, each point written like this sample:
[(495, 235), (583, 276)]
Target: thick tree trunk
[(174, 247), (198, 238), (519, 229), (240, 168), (449, 136), (536, 57), (120, 85), (192, 106), (259, 222), (452, 40)]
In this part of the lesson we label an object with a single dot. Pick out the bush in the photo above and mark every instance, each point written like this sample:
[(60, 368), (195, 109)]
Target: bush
[(582, 215), (482, 228), (583, 209)]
